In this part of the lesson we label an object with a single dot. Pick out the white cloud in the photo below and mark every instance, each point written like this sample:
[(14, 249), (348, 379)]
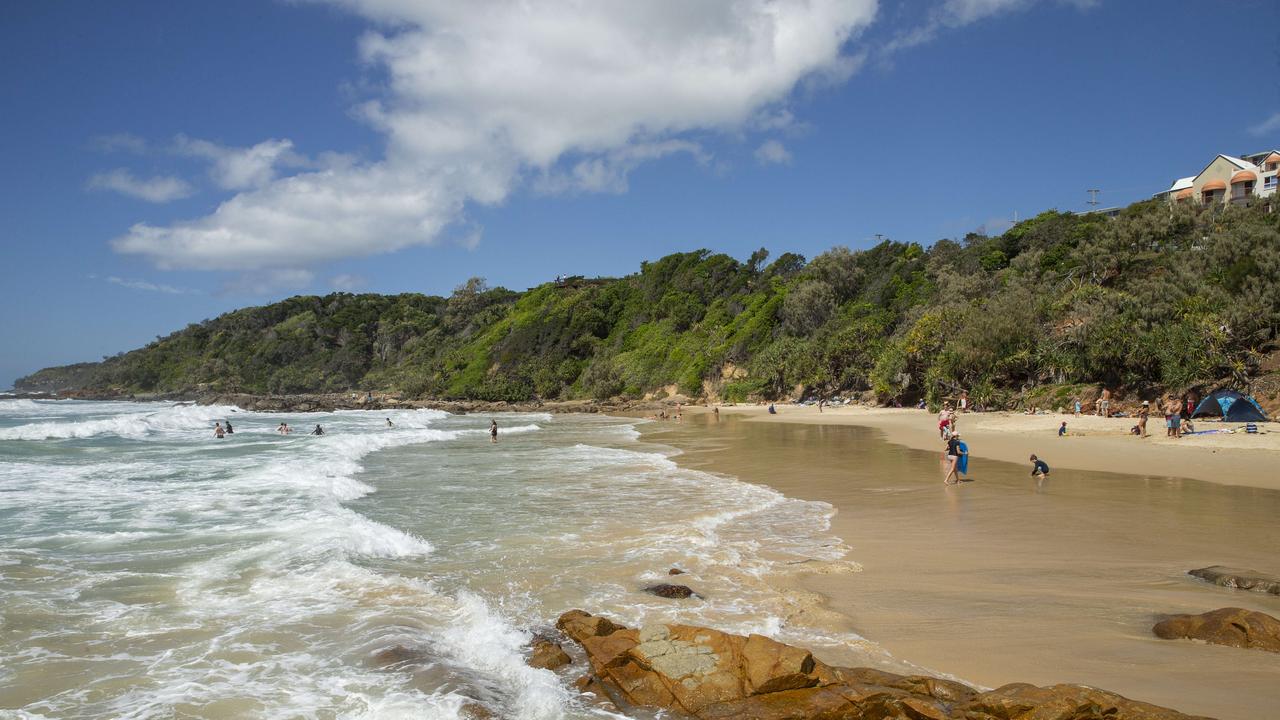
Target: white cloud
[(118, 142), (958, 13), (772, 151), (480, 97), (265, 282), (347, 282), (148, 286), (1270, 125), (159, 189), (241, 168)]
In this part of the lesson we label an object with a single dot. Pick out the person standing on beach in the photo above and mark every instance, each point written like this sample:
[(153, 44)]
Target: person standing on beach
[(493, 431), (1175, 417), (1104, 403), (953, 457), (1143, 415), (1077, 406)]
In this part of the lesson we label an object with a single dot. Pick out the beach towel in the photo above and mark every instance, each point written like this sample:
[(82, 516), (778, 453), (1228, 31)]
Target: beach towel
[(962, 463)]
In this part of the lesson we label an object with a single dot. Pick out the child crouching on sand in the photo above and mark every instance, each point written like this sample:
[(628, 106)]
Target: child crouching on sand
[(1039, 469)]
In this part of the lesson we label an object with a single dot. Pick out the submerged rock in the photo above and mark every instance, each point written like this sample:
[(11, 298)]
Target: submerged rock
[(667, 590), (712, 675), (396, 655), (1237, 578), (1235, 627)]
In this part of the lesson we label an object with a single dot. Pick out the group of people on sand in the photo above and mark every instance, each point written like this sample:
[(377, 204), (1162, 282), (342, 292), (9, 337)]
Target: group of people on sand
[(956, 452), (1177, 413)]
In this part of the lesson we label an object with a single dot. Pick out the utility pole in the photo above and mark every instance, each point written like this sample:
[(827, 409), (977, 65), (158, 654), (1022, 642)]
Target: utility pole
[(879, 238), (1093, 197)]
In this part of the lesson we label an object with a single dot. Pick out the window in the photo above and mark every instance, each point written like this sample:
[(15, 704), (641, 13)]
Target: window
[(1269, 183)]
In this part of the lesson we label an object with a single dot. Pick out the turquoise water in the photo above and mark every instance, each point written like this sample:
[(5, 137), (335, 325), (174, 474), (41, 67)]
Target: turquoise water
[(151, 570)]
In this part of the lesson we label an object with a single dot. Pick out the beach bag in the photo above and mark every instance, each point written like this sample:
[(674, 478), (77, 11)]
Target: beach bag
[(1251, 428)]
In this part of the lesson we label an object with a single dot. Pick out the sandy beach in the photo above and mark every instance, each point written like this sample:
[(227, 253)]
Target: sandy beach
[(1006, 579)]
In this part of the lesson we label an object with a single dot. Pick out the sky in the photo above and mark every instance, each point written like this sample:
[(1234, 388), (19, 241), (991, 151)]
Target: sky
[(162, 163)]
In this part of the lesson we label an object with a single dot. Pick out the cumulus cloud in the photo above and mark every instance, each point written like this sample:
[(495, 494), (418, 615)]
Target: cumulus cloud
[(346, 282), (1266, 127), (147, 286), (481, 97), (119, 142), (957, 13), (241, 168), (159, 189), (773, 152), (265, 282)]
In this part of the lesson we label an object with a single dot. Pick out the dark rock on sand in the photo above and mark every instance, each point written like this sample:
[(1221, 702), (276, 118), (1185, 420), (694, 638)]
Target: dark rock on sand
[(1235, 627), (548, 654), (1237, 578), (710, 675), (671, 591), (675, 571)]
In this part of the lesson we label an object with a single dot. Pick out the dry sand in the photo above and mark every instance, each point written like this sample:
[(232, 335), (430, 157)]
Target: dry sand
[(1007, 579)]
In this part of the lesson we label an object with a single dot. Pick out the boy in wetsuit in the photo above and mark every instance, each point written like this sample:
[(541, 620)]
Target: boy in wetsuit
[(1039, 468)]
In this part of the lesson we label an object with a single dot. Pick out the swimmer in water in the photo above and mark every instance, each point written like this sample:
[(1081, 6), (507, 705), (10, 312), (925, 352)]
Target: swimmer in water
[(493, 431)]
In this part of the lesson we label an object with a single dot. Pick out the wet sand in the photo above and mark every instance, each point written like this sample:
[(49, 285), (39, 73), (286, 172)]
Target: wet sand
[(1006, 579)]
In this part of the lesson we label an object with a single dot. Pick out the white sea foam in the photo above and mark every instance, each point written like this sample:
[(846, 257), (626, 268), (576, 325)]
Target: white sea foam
[(135, 425)]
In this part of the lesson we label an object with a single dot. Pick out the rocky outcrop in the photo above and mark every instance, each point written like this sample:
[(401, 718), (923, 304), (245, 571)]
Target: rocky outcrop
[(710, 675), (667, 590), (1235, 627), (547, 654), (1237, 578)]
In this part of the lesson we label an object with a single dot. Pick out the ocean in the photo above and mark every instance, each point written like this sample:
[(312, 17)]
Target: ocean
[(151, 570)]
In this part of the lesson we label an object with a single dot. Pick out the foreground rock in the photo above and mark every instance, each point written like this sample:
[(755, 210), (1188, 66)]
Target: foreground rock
[(1237, 578), (667, 590), (1235, 627), (711, 675), (547, 654)]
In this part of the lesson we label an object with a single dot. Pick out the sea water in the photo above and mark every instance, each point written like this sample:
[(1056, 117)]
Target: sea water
[(151, 570)]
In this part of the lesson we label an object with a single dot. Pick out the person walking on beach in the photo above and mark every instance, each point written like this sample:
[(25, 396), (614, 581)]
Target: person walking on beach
[(1143, 415), (1104, 404), (954, 451), (493, 431), (218, 431), (1039, 469)]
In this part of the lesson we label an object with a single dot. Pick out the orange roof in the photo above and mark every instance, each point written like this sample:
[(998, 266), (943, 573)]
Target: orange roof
[(1183, 194), (1273, 157), (1213, 185), (1243, 176)]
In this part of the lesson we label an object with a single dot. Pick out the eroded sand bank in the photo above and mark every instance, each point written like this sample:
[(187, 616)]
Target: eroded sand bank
[(1008, 579)]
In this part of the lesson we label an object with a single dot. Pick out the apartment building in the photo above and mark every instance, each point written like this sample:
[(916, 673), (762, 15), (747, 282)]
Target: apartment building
[(1228, 179)]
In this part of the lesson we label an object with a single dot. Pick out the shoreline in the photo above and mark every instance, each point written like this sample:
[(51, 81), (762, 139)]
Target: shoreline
[(1004, 579), (1092, 444)]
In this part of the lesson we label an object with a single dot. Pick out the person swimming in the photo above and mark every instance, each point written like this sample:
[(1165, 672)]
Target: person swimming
[(218, 431), (318, 431), (389, 422), (493, 431), (230, 430)]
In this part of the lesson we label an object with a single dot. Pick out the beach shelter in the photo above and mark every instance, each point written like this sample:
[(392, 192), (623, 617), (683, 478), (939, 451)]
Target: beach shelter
[(1231, 406)]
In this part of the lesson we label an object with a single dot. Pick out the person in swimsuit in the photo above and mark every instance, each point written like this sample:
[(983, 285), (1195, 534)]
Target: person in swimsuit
[(389, 422), (318, 431), (953, 457), (1143, 415), (230, 430), (493, 431), (218, 431), (1039, 469)]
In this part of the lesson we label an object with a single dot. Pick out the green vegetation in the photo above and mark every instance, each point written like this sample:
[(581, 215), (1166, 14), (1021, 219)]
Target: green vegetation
[(1157, 297)]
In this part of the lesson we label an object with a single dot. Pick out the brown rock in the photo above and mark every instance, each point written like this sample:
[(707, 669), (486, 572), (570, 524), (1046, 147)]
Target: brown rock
[(578, 625), (1237, 578), (1235, 627), (675, 571), (475, 711), (395, 655), (711, 675), (671, 591), (547, 654)]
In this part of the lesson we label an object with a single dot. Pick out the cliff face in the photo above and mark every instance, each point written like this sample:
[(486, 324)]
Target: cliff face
[(1157, 297)]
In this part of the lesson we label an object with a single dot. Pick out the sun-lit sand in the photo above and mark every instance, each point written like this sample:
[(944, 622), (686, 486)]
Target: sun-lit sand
[(1091, 443), (1009, 579)]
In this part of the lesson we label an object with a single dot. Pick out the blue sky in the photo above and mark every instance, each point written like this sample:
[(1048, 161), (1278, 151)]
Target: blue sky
[(166, 162)]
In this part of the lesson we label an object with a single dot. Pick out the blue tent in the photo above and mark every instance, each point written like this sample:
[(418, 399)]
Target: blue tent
[(1231, 406)]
